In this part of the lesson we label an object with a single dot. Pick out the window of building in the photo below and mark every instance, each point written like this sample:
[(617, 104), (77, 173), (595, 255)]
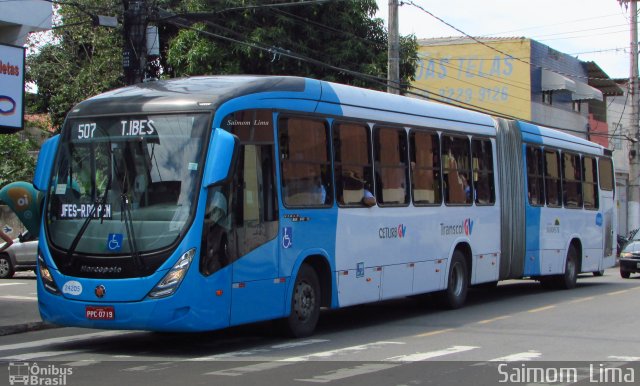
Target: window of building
[(553, 186), (590, 182), (456, 170), (576, 105), (482, 163), (305, 162), (352, 163), (425, 168), (571, 180), (547, 97), (391, 166), (535, 176)]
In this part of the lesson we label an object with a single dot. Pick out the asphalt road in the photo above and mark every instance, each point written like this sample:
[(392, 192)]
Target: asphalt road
[(511, 333)]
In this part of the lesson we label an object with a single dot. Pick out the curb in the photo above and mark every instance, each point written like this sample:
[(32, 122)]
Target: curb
[(25, 327)]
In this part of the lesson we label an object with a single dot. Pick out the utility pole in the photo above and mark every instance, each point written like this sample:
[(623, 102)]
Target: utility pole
[(134, 55), (633, 209), (393, 67)]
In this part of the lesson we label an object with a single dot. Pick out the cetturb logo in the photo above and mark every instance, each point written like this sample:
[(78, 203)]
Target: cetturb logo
[(393, 232), (468, 226)]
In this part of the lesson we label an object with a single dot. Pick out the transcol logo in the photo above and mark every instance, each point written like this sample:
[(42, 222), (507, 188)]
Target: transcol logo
[(393, 232), (466, 228)]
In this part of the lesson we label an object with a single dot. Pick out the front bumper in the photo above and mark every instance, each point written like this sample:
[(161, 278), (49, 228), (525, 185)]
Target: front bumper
[(629, 265)]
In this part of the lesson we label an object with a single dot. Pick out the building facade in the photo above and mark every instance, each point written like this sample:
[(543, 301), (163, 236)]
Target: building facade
[(519, 78)]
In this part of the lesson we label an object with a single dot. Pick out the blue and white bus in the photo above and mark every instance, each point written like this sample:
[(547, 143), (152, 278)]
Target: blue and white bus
[(201, 203)]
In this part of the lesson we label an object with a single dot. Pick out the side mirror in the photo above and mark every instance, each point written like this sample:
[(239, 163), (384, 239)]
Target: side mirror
[(45, 162), (223, 150)]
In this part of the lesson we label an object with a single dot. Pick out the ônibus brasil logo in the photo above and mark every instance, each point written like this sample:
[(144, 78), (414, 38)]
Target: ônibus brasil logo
[(466, 228), (393, 232)]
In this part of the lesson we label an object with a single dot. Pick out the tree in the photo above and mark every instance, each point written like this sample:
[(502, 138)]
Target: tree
[(338, 41), (79, 60), (17, 162)]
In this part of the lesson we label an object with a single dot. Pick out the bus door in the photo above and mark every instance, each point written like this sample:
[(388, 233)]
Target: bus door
[(608, 211), (256, 292)]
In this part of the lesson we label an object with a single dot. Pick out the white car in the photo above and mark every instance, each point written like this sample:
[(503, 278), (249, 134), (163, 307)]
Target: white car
[(20, 256)]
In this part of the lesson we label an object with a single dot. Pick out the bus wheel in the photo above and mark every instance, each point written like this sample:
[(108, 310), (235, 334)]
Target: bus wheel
[(457, 285), (570, 277), (305, 304)]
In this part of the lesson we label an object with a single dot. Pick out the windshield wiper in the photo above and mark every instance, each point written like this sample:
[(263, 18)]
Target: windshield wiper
[(127, 218), (98, 203)]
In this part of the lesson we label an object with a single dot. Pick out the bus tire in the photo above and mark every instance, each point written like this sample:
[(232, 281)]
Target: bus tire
[(457, 284), (305, 304), (570, 277)]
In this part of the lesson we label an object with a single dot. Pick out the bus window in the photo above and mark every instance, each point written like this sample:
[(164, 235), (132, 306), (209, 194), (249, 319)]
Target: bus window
[(425, 168), (391, 166), (590, 183), (535, 176), (571, 180), (353, 169), (605, 171), (482, 162), (305, 162), (552, 178), (457, 169)]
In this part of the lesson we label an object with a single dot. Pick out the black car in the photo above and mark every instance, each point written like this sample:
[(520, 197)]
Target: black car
[(630, 258)]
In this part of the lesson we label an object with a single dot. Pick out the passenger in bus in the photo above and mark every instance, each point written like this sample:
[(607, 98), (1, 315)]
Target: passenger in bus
[(355, 190)]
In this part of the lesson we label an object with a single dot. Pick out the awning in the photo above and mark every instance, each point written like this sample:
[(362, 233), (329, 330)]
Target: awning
[(553, 81), (584, 91)]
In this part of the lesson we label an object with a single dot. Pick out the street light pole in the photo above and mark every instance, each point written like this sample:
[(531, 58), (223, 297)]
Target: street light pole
[(633, 209), (393, 70)]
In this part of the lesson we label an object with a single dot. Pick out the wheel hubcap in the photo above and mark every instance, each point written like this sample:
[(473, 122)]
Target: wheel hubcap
[(304, 301)]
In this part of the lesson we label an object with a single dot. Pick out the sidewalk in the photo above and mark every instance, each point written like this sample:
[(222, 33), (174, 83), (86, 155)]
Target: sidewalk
[(19, 311)]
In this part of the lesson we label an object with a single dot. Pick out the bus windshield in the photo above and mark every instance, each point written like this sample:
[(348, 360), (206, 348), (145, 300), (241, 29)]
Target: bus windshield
[(125, 184)]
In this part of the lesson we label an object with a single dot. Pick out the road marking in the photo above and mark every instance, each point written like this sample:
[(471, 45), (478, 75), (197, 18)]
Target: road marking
[(82, 363), (369, 368), (234, 355), (298, 344), (340, 351), (617, 292), (494, 319), (64, 339), (38, 355), (436, 332), (581, 300), (541, 309), (624, 358), (241, 370), (339, 374), (417, 357), (16, 297), (6, 284), (518, 357)]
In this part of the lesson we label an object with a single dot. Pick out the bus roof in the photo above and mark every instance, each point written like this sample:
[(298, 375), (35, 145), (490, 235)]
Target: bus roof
[(206, 93)]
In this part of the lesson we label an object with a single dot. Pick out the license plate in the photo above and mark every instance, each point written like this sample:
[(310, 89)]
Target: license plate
[(100, 313)]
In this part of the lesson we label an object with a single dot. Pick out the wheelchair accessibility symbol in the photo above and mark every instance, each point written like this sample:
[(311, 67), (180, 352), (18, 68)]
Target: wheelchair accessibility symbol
[(114, 243), (287, 237)]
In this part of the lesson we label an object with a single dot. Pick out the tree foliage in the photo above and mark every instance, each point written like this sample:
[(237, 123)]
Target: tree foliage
[(17, 162), (338, 41), (78, 61)]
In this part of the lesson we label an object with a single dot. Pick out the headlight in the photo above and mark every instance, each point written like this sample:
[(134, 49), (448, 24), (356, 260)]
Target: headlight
[(626, 254), (171, 281), (45, 275)]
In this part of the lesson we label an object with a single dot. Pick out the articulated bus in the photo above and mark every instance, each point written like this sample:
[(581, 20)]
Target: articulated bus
[(202, 203)]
